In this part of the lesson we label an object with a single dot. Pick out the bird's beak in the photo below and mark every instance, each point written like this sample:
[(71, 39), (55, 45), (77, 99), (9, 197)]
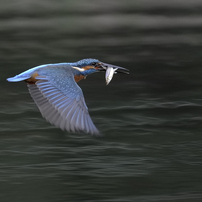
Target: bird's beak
[(105, 66)]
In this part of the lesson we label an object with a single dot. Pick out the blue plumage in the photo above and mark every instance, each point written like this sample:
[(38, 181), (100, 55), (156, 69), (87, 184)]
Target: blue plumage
[(60, 100), (84, 62)]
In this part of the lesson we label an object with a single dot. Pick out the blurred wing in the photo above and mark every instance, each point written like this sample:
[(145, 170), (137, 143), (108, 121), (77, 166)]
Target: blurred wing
[(61, 102)]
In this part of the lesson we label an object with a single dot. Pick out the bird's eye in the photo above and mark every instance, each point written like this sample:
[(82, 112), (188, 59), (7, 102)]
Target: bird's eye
[(93, 63)]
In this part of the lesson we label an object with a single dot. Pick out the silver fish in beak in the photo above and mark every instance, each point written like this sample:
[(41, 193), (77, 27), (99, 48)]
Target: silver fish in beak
[(111, 70), (109, 74)]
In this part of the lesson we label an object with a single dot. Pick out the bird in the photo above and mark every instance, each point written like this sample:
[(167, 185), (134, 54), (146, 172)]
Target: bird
[(56, 93)]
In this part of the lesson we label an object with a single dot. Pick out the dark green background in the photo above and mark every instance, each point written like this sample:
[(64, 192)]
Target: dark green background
[(151, 120)]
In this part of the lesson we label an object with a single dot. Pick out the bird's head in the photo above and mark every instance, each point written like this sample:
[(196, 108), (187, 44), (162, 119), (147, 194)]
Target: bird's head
[(88, 66)]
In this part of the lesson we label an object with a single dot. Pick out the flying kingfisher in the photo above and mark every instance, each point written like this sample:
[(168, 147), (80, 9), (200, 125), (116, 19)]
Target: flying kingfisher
[(60, 100)]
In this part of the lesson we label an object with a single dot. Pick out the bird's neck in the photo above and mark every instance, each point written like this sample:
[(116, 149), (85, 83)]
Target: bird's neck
[(82, 75), (88, 71)]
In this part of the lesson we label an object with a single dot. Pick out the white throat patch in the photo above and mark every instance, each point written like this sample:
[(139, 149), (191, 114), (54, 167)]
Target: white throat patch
[(79, 69)]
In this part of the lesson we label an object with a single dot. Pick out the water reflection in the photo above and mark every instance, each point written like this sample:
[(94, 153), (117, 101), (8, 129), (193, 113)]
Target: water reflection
[(151, 119)]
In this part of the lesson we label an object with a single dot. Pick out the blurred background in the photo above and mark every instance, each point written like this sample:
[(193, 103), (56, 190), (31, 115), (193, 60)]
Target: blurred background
[(151, 120)]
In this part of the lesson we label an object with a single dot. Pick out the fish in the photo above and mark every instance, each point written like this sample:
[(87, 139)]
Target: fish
[(109, 74)]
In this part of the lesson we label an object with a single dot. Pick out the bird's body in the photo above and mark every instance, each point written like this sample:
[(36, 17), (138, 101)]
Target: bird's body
[(60, 100)]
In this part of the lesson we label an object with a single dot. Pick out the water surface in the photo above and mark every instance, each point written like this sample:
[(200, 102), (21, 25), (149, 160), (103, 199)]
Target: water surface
[(151, 120)]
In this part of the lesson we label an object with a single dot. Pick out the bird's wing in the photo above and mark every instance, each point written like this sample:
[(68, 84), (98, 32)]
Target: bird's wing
[(61, 102)]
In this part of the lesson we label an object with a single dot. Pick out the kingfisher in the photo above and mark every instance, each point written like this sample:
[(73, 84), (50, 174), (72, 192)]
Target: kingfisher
[(60, 100)]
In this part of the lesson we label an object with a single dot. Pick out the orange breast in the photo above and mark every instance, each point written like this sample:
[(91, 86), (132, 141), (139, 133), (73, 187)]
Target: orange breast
[(78, 78)]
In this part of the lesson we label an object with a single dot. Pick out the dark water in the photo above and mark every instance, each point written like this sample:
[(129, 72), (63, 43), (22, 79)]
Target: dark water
[(151, 120)]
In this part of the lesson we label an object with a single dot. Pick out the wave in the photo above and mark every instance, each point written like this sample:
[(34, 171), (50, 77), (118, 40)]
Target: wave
[(139, 113), (149, 104)]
